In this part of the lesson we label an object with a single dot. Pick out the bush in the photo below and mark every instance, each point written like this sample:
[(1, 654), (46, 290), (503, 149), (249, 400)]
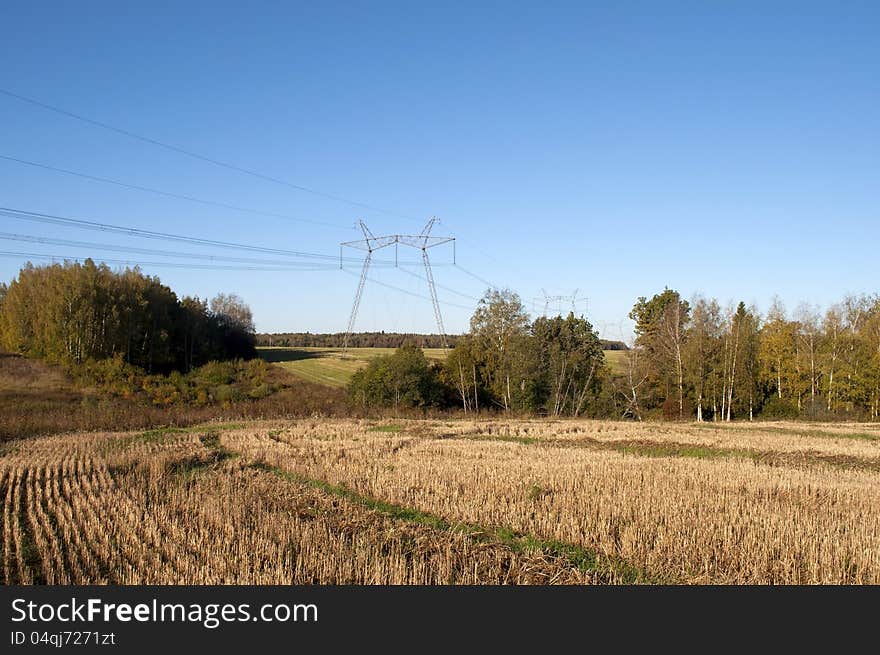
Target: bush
[(255, 370), (261, 391), (112, 375), (779, 408), (226, 393), (670, 409), (215, 373), (404, 379)]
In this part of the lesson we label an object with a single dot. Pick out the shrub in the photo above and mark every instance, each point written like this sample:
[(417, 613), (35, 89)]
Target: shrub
[(670, 409), (261, 391), (215, 373), (226, 393), (404, 379), (779, 408)]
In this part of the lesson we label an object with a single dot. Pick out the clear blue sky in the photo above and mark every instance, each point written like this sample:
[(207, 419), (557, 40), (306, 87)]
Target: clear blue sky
[(731, 148)]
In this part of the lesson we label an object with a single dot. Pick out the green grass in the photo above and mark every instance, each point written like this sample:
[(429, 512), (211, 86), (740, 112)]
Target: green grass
[(327, 366), (386, 428), (616, 360), (798, 432), (627, 447), (158, 435)]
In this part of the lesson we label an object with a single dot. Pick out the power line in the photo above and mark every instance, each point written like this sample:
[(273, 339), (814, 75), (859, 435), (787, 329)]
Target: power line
[(440, 286), (477, 277), (150, 234), (169, 194), (161, 253), (406, 291), (53, 219), (8, 236), (204, 158), (128, 262)]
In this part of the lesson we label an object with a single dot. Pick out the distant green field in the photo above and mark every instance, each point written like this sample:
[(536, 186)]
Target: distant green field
[(327, 366), (615, 359)]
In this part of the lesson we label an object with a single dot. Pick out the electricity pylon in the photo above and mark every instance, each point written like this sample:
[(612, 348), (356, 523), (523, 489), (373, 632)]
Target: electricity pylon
[(371, 243), (368, 243), (573, 299)]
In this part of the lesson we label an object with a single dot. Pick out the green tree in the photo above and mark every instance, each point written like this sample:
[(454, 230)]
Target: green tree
[(459, 372), (570, 360), (661, 328), (702, 350), (499, 327), (403, 379), (778, 351), (76, 312)]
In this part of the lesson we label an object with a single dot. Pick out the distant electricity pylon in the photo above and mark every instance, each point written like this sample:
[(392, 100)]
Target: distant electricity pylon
[(573, 300), (371, 243)]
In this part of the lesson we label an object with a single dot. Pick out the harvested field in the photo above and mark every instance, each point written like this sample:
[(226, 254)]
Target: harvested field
[(445, 502)]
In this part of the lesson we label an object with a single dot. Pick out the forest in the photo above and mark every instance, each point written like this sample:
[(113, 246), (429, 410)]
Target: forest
[(356, 340), (373, 340), (689, 360), (72, 313), (697, 359)]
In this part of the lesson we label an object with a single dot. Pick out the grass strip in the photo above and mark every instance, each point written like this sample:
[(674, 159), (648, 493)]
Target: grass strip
[(695, 451), (159, 435), (797, 432), (386, 428), (582, 558), (627, 447)]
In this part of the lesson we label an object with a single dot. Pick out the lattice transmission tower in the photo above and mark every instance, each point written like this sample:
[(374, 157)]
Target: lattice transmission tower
[(422, 241), (559, 300)]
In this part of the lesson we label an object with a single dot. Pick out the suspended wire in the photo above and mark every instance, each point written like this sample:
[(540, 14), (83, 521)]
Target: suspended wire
[(406, 291), (150, 234), (476, 277), (440, 286), (194, 155), (53, 219), (169, 194), (204, 158), (8, 236), (128, 262)]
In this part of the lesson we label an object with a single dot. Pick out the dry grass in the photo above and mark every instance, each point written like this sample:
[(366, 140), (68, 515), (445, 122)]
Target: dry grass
[(445, 502), (683, 517), (176, 508), (38, 398)]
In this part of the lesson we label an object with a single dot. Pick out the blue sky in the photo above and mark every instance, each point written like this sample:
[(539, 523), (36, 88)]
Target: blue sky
[(617, 148)]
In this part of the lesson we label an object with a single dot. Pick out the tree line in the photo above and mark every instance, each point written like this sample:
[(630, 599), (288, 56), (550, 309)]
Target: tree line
[(689, 360), (373, 340), (698, 359), (76, 312), (506, 362), (356, 340)]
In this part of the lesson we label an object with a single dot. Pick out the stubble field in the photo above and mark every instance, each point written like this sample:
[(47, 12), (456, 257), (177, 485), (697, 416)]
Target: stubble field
[(445, 502)]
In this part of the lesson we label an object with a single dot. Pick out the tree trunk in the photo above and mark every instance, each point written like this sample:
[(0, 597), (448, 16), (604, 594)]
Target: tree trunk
[(464, 400), (779, 377), (476, 395), (680, 384)]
